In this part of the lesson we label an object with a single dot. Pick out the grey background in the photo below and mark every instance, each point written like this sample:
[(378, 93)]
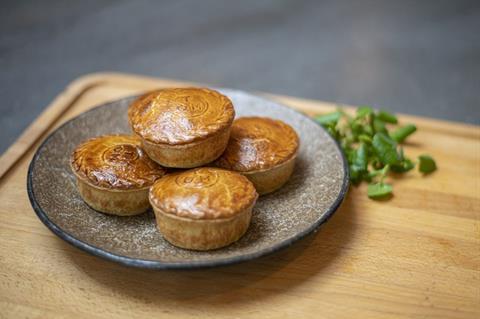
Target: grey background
[(418, 57)]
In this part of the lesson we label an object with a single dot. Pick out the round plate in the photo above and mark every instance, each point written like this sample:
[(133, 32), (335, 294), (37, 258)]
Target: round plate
[(313, 193)]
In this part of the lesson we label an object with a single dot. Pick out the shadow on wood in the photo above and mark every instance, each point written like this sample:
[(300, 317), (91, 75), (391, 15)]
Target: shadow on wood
[(241, 283)]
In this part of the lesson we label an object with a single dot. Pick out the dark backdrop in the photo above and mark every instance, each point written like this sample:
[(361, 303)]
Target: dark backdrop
[(418, 57)]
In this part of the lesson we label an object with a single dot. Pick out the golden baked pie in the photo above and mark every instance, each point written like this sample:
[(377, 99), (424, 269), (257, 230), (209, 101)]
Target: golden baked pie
[(182, 127), (262, 149), (114, 174), (203, 208)]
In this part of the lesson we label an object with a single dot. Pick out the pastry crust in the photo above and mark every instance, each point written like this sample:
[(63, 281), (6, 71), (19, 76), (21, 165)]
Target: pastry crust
[(182, 127), (203, 208), (120, 203), (262, 149), (114, 174), (189, 155), (269, 180)]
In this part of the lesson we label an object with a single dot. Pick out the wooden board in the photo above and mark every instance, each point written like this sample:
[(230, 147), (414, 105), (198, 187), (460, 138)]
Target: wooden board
[(415, 256)]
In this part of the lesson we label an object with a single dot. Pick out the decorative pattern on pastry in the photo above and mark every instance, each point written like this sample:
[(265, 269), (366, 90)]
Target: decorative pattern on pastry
[(263, 149), (179, 116), (203, 208), (115, 161), (203, 193)]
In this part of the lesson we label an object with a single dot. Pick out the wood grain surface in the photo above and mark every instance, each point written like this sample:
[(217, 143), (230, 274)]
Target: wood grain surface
[(415, 256)]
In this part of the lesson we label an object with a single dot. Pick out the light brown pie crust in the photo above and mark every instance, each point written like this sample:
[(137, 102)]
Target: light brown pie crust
[(204, 208)]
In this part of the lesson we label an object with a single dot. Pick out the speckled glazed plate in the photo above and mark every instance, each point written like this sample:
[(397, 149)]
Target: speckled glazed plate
[(315, 190)]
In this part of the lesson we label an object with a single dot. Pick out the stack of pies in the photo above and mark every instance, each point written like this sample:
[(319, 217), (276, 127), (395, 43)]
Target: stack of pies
[(221, 166)]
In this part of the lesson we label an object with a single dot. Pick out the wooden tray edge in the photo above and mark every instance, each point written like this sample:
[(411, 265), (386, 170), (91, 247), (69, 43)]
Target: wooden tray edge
[(45, 120)]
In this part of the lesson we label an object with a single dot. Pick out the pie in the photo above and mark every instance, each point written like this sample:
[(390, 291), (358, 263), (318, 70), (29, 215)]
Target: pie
[(203, 208), (114, 174), (262, 149), (182, 127)]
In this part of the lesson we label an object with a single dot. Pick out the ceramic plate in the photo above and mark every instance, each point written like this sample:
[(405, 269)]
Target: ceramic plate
[(313, 193)]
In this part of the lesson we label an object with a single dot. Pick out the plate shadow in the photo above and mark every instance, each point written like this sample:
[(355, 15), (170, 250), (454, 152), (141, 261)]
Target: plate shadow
[(241, 283)]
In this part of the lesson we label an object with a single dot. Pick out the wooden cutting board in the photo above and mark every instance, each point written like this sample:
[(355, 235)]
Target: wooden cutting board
[(415, 256)]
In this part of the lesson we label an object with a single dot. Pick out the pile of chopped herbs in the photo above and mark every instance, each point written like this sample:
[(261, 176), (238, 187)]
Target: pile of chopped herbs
[(371, 149)]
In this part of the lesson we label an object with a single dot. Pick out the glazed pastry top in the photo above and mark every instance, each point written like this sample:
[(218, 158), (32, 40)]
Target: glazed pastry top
[(181, 115), (258, 143), (203, 193), (115, 162)]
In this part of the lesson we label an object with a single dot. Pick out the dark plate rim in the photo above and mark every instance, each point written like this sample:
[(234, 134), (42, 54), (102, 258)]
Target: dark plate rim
[(155, 264)]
